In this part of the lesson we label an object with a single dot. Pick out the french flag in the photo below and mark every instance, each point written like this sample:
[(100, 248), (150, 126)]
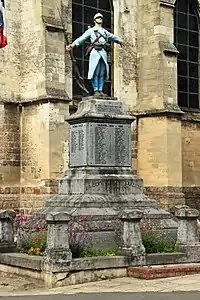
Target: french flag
[(3, 37)]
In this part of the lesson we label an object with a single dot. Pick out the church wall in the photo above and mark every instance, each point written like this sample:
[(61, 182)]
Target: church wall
[(9, 156), (32, 54), (125, 58), (191, 159), (36, 75), (10, 55), (158, 115), (9, 112), (34, 152), (44, 152)]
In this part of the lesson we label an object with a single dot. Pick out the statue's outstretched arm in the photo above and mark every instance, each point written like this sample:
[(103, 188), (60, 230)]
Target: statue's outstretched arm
[(112, 37), (79, 41)]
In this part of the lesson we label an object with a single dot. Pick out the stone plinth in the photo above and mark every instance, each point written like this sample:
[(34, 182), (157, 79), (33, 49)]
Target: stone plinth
[(132, 240), (6, 231), (58, 255), (187, 237), (100, 182)]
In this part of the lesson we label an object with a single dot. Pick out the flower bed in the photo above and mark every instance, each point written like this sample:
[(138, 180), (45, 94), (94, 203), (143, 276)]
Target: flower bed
[(154, 242), (31, 237)]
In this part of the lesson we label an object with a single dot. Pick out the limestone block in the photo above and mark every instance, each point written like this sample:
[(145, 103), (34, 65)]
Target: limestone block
[(6, 230), (132, 240), (187, 237), (58, 256), (187, 225)]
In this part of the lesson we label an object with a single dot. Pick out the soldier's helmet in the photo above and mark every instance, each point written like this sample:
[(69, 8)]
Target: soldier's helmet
[(98, 15)]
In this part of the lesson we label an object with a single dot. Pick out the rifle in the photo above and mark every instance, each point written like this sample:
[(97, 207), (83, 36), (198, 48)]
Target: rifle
[(78, 77)]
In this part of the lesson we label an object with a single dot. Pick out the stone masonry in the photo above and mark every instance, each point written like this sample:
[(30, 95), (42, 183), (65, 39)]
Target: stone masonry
[(35, 93), (34, 102), (100, 183)]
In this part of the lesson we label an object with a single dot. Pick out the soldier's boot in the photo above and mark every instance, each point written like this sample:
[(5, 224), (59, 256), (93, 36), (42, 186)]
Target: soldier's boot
[(102, 94), (97, 94)]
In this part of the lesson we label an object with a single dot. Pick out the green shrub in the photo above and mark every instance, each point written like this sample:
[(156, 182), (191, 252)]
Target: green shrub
[(99, 252), (31, 234), (157, 244)]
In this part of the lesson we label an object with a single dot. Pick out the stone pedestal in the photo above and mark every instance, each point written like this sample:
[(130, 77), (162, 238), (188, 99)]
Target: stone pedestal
[(6, 231), (58, 255), (187, 237), (132, 240), (100, 182)]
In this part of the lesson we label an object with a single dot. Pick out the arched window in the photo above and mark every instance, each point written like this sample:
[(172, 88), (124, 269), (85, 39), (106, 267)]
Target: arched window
[(186, 35), (83, 12)]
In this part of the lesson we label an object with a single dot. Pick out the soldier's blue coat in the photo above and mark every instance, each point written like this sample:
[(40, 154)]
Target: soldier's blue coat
[(95, 55)]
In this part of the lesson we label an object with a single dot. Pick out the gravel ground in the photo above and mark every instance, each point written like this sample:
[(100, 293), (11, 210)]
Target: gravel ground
[(14, 283)]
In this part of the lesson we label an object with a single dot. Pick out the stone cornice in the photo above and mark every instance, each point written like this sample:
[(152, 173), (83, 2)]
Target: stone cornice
[(52, 24), (40, 99), (168, 48), (169, 110)]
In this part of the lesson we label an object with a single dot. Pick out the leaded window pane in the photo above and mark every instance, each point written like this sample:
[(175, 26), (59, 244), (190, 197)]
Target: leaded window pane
[(182, 52), (186, 38), (193, 70), (91, 3), (78, 1), (194, 101), (193, 54), (182, 68)]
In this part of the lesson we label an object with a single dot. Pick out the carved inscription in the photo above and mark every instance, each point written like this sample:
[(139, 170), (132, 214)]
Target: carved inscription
[(103, 144), (112, 187), (111, 144), (122, 150), (112, 109), (78, 145)]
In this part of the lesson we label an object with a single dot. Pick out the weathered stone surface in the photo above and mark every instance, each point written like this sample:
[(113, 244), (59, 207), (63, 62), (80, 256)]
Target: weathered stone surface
[(157, 156), (101, 193), (92, 144), (58, 255), (78, 264), (22, 260), (187, 226), (97, 128), (88, 182), (165, 258), (187, 237), (7, 214), (131, 238), (6, 231)]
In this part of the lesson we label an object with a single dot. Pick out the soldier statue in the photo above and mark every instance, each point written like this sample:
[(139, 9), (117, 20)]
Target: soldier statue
[(98, 58)]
